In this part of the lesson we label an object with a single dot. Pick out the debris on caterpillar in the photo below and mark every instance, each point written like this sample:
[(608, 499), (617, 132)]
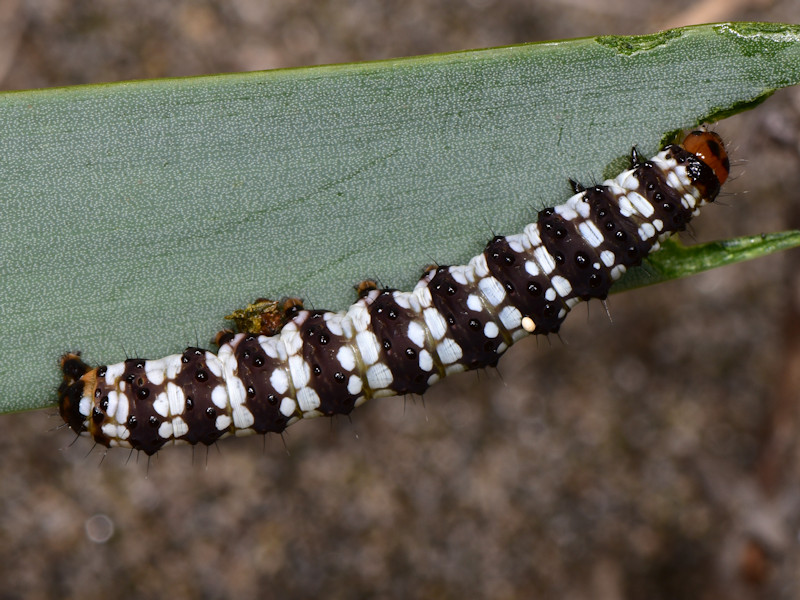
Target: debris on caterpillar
[(288, 363)]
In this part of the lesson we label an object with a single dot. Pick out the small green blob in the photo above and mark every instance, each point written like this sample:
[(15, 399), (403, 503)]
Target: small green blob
[(631, 44)]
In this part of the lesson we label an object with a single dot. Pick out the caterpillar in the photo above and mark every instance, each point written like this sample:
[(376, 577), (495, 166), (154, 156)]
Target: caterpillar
[(288, 363)]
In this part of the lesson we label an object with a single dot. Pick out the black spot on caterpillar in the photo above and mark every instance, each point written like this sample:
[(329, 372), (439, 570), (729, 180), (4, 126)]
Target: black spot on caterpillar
[(289, 363)]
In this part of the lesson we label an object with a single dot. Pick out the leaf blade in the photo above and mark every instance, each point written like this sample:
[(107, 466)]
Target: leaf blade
[(138, 214)]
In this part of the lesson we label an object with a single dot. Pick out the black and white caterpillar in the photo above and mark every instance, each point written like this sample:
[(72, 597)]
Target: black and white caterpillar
[(305, 363)]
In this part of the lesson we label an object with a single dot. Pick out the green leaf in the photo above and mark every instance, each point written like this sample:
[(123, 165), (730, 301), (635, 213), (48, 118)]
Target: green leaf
[(675, 260), (135, 215)]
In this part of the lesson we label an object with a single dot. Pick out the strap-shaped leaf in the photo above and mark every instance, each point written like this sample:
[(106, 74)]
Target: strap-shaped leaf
[(135, 215)]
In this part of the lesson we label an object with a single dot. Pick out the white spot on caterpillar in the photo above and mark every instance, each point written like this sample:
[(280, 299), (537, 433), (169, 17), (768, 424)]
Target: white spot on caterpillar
[(402, 299), (566, 211), (113, 431), (550, 294), (299, 372), (646, 231), (174, 366), (425, 360), (307, 399), (176, 399), (435, 322), (214, 364), (121, 414), (222, 422), (416, 334), (279, 381), (641, 204), (242, 417), (354, 385), (346, 358), (561, 285), (85, 406), (546, 262), (114, 372), (515, 243), (590, 233), (113, 402), (531, 231), (625, 207), (608, 258), (379, 377), (617, 272), (334, 323), (458, 273), (490, 330), (179, 427), (161, 404), (219, 396), (479, 266), (288, 406), (165, 430), (528, 324), (449, 351), (474, 303), (510, 317), (531, 268), (368, 347), (155, 370), (359, 316), (492, 290)]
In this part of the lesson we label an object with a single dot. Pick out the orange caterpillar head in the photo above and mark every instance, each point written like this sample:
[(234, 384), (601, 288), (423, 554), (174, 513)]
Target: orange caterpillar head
[(708, 147)]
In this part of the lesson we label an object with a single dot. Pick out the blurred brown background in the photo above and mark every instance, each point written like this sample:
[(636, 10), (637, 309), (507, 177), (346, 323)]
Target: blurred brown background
[(651, 457)]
